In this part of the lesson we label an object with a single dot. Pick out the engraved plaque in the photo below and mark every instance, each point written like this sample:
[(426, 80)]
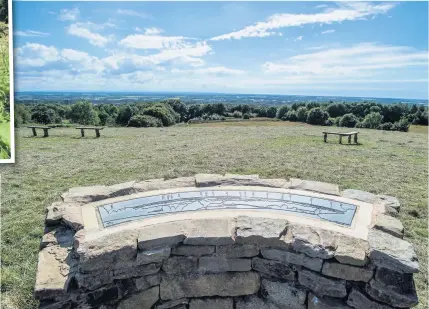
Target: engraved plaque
[(164, 204)]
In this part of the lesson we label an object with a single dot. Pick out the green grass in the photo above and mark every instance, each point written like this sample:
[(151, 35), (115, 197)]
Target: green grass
[(393, 163), (4, 93)]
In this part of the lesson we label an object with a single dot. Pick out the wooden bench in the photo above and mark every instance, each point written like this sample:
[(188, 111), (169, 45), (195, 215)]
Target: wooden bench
[(97, 130), (45, 130), (341, 134)]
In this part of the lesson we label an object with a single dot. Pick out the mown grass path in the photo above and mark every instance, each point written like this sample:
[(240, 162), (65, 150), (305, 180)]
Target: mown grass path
[(393, 163)]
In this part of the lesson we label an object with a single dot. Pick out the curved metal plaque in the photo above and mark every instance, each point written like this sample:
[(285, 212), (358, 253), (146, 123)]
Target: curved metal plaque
[(163, 204)]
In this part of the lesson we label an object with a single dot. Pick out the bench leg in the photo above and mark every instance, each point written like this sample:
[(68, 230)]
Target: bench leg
[(82, 132), (356, 141), (350, 139), (341, 139), (34, 131), (97, 133), (45, 133), (325, 136)]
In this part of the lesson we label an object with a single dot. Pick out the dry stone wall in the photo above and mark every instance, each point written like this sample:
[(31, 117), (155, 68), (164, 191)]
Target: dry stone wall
[(223, 263)]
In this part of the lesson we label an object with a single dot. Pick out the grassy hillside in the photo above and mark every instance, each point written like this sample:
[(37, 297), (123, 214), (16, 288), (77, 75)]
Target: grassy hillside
[(4, 93), (393, 163)]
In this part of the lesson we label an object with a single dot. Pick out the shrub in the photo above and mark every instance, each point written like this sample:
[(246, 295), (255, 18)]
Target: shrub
[(348, 120), (337, 121), (372, 120), (375, 109), (329, 122), (317, 116), (282, 111), (401, 125), (246, 116), (387, 126), (336, 109), (291, 115), (301, 114), (272, 112), (163, 112), (237, 114), (144, 121)]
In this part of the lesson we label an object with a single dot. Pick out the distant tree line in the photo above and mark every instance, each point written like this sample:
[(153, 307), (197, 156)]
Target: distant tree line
[(169, 112), (4, 11)]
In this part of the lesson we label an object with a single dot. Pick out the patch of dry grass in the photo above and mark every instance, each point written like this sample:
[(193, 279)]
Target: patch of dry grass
[(393, 163)]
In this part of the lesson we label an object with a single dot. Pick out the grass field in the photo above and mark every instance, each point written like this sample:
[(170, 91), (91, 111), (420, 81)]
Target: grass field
[(393, 163)]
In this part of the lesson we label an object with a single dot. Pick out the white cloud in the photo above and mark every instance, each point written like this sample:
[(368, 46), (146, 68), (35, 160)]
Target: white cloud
[(346, 11), (133, 13), (36, 55), (366, 59), (31, 33), (81, 61), (143, 41), (328, 31), (299, 38), (82, 30), (321, 6), (66, 14), (220, 70), (153, 31)]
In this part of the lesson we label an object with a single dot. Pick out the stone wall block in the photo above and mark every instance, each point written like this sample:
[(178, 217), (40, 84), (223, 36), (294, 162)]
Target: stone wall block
[(321, 285), (315, 186), (347, 272), (205, 285), (390, 252), (180, 264), (220, 264), (359, 195), (389, 225), (141, 300), (154, 255), (211, 303), (273, 268), (284, 295), (189, 250), (237, 251), (358, 300), (290, 257)]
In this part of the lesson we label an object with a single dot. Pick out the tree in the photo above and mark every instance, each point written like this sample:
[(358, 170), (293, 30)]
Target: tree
[(372, 120), (125, 113), (336, 110), (301, 114), (348, 120), (282, 111), (144, 121), (291, 115), (272, 112), (317, 116), (83, 112), (4, 11), (44, 114)]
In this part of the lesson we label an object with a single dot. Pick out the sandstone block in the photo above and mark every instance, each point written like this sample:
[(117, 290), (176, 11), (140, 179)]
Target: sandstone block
[(284, 295), (314, 242), (292, 258), (237, 251), (202, 285), (347, 272), (220, 264), (359, 195), (193, 250), (352, 251), (263, 232), (273, 268), (160, 235), (390, 252), (142, 300), (211, 303), (209, 232), (389, 225), (160, 184), (86, 194), (111, 250), (321, 285), (60, 236), (316, 186)]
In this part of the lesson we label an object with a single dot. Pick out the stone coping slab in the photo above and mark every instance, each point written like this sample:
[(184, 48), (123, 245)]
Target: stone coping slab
[(225, 257)]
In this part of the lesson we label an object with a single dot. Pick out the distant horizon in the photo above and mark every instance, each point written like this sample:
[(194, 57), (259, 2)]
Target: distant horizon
[(216, 93)]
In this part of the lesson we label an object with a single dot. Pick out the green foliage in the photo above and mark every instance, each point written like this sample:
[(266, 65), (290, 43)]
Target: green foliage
[(272, 112), (144, 121), (317, 116), (237, 114), (4, 11), (246, 116), (291, 115), (45, 114), (336, 110), (372, 121), (401, 125), (375, 109), (83, 112), (282, 111), (348, 120), (125, 113), (301, 114), (387, 126), (163, 112)]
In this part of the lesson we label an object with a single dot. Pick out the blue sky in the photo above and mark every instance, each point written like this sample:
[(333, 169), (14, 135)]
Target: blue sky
[(372, 49)]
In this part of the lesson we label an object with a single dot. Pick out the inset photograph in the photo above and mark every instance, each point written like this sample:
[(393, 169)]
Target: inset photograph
[(6, 134)]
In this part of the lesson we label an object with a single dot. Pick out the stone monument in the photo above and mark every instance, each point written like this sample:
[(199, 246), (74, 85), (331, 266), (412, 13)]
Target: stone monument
[(223, 242)]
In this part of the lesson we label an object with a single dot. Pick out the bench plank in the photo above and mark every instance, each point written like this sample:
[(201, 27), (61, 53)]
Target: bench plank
[(44, 128), (340, 135)]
